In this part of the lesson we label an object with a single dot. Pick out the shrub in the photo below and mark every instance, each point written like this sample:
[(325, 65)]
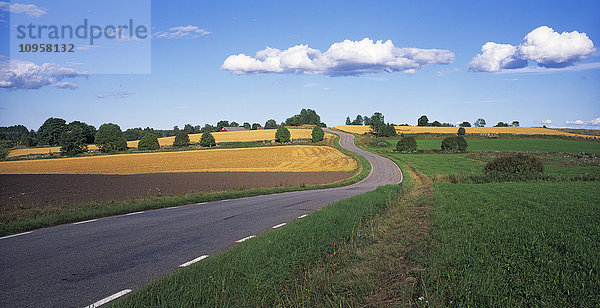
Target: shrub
[(514, 164), (5, 146), (282, 135), (317, 134), (461, 131), (454, 144), (181, 139), (407, 144), (73, 141), (148, 142), (207, 140), (109, 138)]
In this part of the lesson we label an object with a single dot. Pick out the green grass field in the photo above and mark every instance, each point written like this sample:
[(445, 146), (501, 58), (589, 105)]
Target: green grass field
[(511, 145), (516, 245)]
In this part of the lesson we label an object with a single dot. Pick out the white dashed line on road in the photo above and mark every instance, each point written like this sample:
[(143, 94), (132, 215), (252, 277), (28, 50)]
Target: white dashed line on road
[(302, 216), (246, 238), (13, 235), (279, 225), (134, 213), (85, 221), (194, 261), (108, 299)]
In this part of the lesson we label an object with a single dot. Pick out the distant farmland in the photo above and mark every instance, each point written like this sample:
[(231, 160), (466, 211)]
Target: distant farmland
[(296, 158), (236, 136), (361, 129)]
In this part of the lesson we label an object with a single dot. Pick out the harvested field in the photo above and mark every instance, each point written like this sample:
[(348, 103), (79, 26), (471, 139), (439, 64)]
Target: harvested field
[(237, 136), (55, 189), (361, 129), (298, 158)]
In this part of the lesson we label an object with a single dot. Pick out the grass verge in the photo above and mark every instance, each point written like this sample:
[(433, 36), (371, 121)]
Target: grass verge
[(16, 219), (256, 272)]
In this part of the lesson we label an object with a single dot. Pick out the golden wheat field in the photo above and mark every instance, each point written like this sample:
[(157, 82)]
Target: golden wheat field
[(237, 136), (361, 129), (295, 158)]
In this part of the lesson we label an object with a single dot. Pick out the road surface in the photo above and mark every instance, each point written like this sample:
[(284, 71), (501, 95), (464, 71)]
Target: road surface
[(75, 265)]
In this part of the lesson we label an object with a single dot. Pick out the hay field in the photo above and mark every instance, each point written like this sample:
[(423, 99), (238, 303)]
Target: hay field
[(361, 129), (297, 158), (238, 136)]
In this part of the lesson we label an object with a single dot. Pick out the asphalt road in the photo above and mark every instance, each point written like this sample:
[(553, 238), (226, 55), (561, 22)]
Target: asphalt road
[(75, 265)]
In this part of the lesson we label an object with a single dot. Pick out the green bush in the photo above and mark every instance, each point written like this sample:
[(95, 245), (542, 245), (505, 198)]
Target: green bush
[(73, 142), (149, 142), (282, 135), (207, 140), (454, 144), (461, 131), (514, 164), (109, 138), (181, 139), (317, 134), (5, 146), (407, 144)]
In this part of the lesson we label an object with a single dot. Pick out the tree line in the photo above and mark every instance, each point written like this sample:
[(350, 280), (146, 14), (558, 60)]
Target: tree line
[(74, 137)]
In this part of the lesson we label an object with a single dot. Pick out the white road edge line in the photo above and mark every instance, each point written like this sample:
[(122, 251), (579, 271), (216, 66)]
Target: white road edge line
[(134, 213), (85, 221), (194, 261), (13, 235), (108, 299), (173, 207), (302, 216), (246, 238), (279, 225)]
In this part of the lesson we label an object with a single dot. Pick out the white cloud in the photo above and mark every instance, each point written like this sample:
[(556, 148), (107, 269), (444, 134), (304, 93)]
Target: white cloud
[(30, 9), (595, 121), (578, 122), (188, 31), (341, 59), (66, 85), (16, 74), (547, 122), (594, 124), (550, 49), (115, 95), (494, 57), (543, 45)]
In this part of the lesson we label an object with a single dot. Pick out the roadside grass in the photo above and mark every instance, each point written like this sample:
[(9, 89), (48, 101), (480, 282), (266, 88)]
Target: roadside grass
[(16, 219), (381, 266), (515, 245), (257, 272)]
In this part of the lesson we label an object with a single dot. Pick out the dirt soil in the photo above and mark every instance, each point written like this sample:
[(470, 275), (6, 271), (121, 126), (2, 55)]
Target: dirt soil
[(51, 189)]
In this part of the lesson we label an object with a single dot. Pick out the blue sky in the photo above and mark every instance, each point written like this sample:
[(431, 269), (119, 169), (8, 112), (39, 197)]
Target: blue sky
[(188, 82)]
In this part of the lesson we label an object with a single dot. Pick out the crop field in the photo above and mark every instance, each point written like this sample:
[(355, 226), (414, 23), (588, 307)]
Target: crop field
[(361, 129), (518, 145), (294, 158), (516, 245), (237, 136)]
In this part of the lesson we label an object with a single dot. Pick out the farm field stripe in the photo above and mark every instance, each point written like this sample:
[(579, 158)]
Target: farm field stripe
[(279, 225), (13, 235), (246, 238), (85, 221), (108, 299), (134, 213), (302, 216), (194, 261)]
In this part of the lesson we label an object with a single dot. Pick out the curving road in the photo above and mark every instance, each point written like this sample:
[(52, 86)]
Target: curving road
[(75, 265)]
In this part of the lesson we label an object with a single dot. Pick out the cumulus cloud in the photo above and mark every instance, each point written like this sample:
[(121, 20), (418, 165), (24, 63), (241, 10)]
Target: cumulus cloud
[(494, 57), (188, 31), (577, 122), (16, 74), (19, 8), (543, 45), (547, 122), (341, 59)]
